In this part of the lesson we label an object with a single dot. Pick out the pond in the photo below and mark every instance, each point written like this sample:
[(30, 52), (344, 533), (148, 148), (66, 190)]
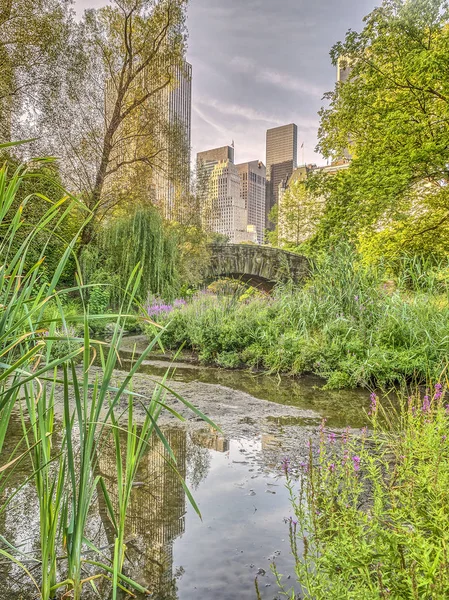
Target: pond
[(236, 482)]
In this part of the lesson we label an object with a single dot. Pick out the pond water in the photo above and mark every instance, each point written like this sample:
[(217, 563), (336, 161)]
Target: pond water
[(239, 489)]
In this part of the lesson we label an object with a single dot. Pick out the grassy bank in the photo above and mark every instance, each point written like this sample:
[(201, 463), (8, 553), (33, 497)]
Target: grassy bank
[(370, 512), (350, 324)]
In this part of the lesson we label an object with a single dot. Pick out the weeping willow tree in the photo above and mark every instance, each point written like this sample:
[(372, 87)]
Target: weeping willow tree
[(139, 237)]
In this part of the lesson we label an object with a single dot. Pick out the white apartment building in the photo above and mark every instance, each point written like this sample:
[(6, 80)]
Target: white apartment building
[(253, 192), (222, 205)]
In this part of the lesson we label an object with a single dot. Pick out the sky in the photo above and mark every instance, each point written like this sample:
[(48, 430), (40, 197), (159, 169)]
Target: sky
[(258, 64)]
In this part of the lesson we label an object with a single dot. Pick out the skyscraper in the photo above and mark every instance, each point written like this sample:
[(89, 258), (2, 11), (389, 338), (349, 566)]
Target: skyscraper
[(253, 190), (282, 151), (172, 182), (153, 145), (223, 209)]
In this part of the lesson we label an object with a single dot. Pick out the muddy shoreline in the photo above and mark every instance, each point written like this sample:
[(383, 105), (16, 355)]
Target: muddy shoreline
[(241, 404)]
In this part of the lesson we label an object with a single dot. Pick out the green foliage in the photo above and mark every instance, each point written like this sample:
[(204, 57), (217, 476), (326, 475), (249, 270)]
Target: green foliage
[(194, 253), (351, 324), (371, 514), (272, 235), (139, 238), (217, 238), (298, 215), (392, 113), (34, 38), (41, 187), (39, 342)]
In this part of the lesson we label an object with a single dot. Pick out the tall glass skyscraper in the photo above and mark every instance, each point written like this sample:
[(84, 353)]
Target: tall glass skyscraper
[(154, 143), (282, 152), (172, 182)]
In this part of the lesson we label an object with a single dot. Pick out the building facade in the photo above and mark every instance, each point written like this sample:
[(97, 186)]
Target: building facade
[(343, 69), (172, 183), (282, 152), (153, 145), (223, 208), (253, 192)]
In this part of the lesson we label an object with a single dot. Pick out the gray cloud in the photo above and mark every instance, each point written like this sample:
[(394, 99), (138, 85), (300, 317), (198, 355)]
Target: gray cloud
[(274, 78), (262, 63)]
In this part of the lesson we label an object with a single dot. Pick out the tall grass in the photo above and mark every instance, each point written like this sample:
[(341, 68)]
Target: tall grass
[(351, 324), (40, 386)]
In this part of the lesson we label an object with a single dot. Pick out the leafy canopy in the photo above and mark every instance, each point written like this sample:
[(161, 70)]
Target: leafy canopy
[(392, 113)]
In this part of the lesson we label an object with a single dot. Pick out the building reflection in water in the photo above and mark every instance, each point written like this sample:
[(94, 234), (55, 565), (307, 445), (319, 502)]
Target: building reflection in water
[(156, 512), (155, 518), (210, 439)]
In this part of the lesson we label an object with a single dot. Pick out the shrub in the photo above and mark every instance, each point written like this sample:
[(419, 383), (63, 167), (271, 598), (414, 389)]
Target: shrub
[(371, 515)]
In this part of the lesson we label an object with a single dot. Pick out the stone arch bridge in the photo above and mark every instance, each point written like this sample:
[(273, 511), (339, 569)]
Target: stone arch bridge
[(260, 266)]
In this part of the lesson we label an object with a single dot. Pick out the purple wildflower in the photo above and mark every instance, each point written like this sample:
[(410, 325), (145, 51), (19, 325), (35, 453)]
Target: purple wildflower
[(356, 462), (373, 408), (179, 302), (426, 404), (438, 391), (293, 522), (332, 438), (158, 308), (285, 464), (304, 466), (332, 467)]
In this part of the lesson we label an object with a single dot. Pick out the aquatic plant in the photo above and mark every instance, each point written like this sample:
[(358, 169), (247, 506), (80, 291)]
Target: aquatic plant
[(343, 325), (31, 380)]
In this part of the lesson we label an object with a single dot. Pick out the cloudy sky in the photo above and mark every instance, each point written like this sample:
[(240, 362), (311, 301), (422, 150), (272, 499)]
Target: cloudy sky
[(261, 63)]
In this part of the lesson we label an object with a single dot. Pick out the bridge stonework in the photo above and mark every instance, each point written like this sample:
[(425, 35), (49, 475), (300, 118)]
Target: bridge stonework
[(261, 266)]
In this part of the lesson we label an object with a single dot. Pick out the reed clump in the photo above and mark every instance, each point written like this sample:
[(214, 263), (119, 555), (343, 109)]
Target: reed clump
[(370, 517), (46, 357)]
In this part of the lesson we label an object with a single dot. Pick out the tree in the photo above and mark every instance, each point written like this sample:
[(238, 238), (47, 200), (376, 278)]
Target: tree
[(393, 112), (272, 235), (298, 215), (127, 56), (34, 36), (40, 188)]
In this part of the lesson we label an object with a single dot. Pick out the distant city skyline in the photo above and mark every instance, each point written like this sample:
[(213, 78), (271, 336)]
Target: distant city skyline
[(258, 65)]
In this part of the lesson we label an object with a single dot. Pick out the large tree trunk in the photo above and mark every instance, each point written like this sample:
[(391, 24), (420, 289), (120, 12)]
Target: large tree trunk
[(94, 200)]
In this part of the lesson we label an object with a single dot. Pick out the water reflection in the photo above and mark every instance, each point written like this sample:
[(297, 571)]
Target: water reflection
[(169, 549), (211, 440), (156, 511)]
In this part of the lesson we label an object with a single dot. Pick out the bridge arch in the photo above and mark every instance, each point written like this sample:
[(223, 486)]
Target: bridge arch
[(260, 266)]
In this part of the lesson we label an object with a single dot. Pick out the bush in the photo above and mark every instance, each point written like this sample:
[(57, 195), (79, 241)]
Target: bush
[(345, 325), (372, 513)]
